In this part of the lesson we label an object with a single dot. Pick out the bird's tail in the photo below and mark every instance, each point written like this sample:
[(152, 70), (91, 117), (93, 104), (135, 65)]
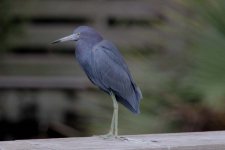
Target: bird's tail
[(138, 93), (133, 101)]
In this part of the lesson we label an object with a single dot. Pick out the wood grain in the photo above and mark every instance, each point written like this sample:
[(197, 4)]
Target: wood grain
[(172, 141)]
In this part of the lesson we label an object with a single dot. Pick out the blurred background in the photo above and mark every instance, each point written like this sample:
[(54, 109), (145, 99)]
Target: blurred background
[(175, 50)]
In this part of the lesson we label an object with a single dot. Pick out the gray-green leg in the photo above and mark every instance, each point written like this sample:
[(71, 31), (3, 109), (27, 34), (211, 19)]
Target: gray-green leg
[(115, 114), (114, 123), (113, 132), (110, 134)]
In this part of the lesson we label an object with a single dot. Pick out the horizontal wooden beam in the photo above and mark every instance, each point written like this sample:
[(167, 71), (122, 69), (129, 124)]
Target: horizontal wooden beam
[(44, 83), (43, 35), (131, 8), (173, 141), (99, 14)]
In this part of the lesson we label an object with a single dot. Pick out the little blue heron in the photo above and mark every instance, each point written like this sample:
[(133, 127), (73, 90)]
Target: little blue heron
[(105, 67)]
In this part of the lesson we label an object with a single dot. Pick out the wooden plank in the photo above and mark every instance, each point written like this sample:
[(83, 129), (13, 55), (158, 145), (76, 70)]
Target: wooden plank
[(97, 12), (173, 141), (44, 83), (44, 59), (90, 8), (123, 37), (40, 65)]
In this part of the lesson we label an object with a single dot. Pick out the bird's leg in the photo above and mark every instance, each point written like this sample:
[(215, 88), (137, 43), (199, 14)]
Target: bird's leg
[(110, 134), (115, 114), (113, 132)]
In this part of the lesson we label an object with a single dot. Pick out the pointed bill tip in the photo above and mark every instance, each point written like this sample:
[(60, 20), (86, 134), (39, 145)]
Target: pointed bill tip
[(56, 41), (71, 37)]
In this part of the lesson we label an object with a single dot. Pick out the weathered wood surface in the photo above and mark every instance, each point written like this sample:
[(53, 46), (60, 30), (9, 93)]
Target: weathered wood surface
[(44, 83), (173, 141)]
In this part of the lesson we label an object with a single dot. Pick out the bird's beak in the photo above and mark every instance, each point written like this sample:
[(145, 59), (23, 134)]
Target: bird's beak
[(72, 37)]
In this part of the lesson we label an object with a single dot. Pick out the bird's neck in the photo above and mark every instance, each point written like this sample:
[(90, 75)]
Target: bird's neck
[(83, 50), (84, 46)]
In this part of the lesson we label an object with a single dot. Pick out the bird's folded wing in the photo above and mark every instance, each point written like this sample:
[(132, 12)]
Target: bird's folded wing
[(112, 73)]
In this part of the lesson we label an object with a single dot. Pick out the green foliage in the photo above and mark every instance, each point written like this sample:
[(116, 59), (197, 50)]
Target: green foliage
[(7, 24), (188, 82), (208, 51)]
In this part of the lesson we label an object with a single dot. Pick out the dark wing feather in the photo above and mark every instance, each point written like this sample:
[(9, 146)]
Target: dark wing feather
[(110, 73)]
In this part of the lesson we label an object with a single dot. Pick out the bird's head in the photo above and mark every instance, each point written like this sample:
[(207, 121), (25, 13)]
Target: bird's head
[(81, 33)]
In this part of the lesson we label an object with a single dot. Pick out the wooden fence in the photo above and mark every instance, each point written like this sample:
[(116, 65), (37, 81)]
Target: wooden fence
[(127, 23), (33, 63)]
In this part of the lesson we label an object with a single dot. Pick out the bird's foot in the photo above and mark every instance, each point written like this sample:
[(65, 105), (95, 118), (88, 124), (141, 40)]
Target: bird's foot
[(107, 136), (111, 136)]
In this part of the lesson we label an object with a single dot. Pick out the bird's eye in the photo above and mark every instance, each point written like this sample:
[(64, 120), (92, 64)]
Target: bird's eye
[(78, 34)]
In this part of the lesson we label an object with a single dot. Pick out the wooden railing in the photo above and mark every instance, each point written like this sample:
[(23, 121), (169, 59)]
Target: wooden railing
[(172, 141)]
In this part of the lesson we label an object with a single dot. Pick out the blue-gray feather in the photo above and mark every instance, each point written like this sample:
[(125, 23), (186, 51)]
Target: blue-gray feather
[(107, 69)]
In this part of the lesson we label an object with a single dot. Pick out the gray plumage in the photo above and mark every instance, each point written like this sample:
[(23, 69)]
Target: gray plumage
[(105, 66), (107, 69)]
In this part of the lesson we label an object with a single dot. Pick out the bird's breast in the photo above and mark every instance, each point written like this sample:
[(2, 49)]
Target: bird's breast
[(84, 59)]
